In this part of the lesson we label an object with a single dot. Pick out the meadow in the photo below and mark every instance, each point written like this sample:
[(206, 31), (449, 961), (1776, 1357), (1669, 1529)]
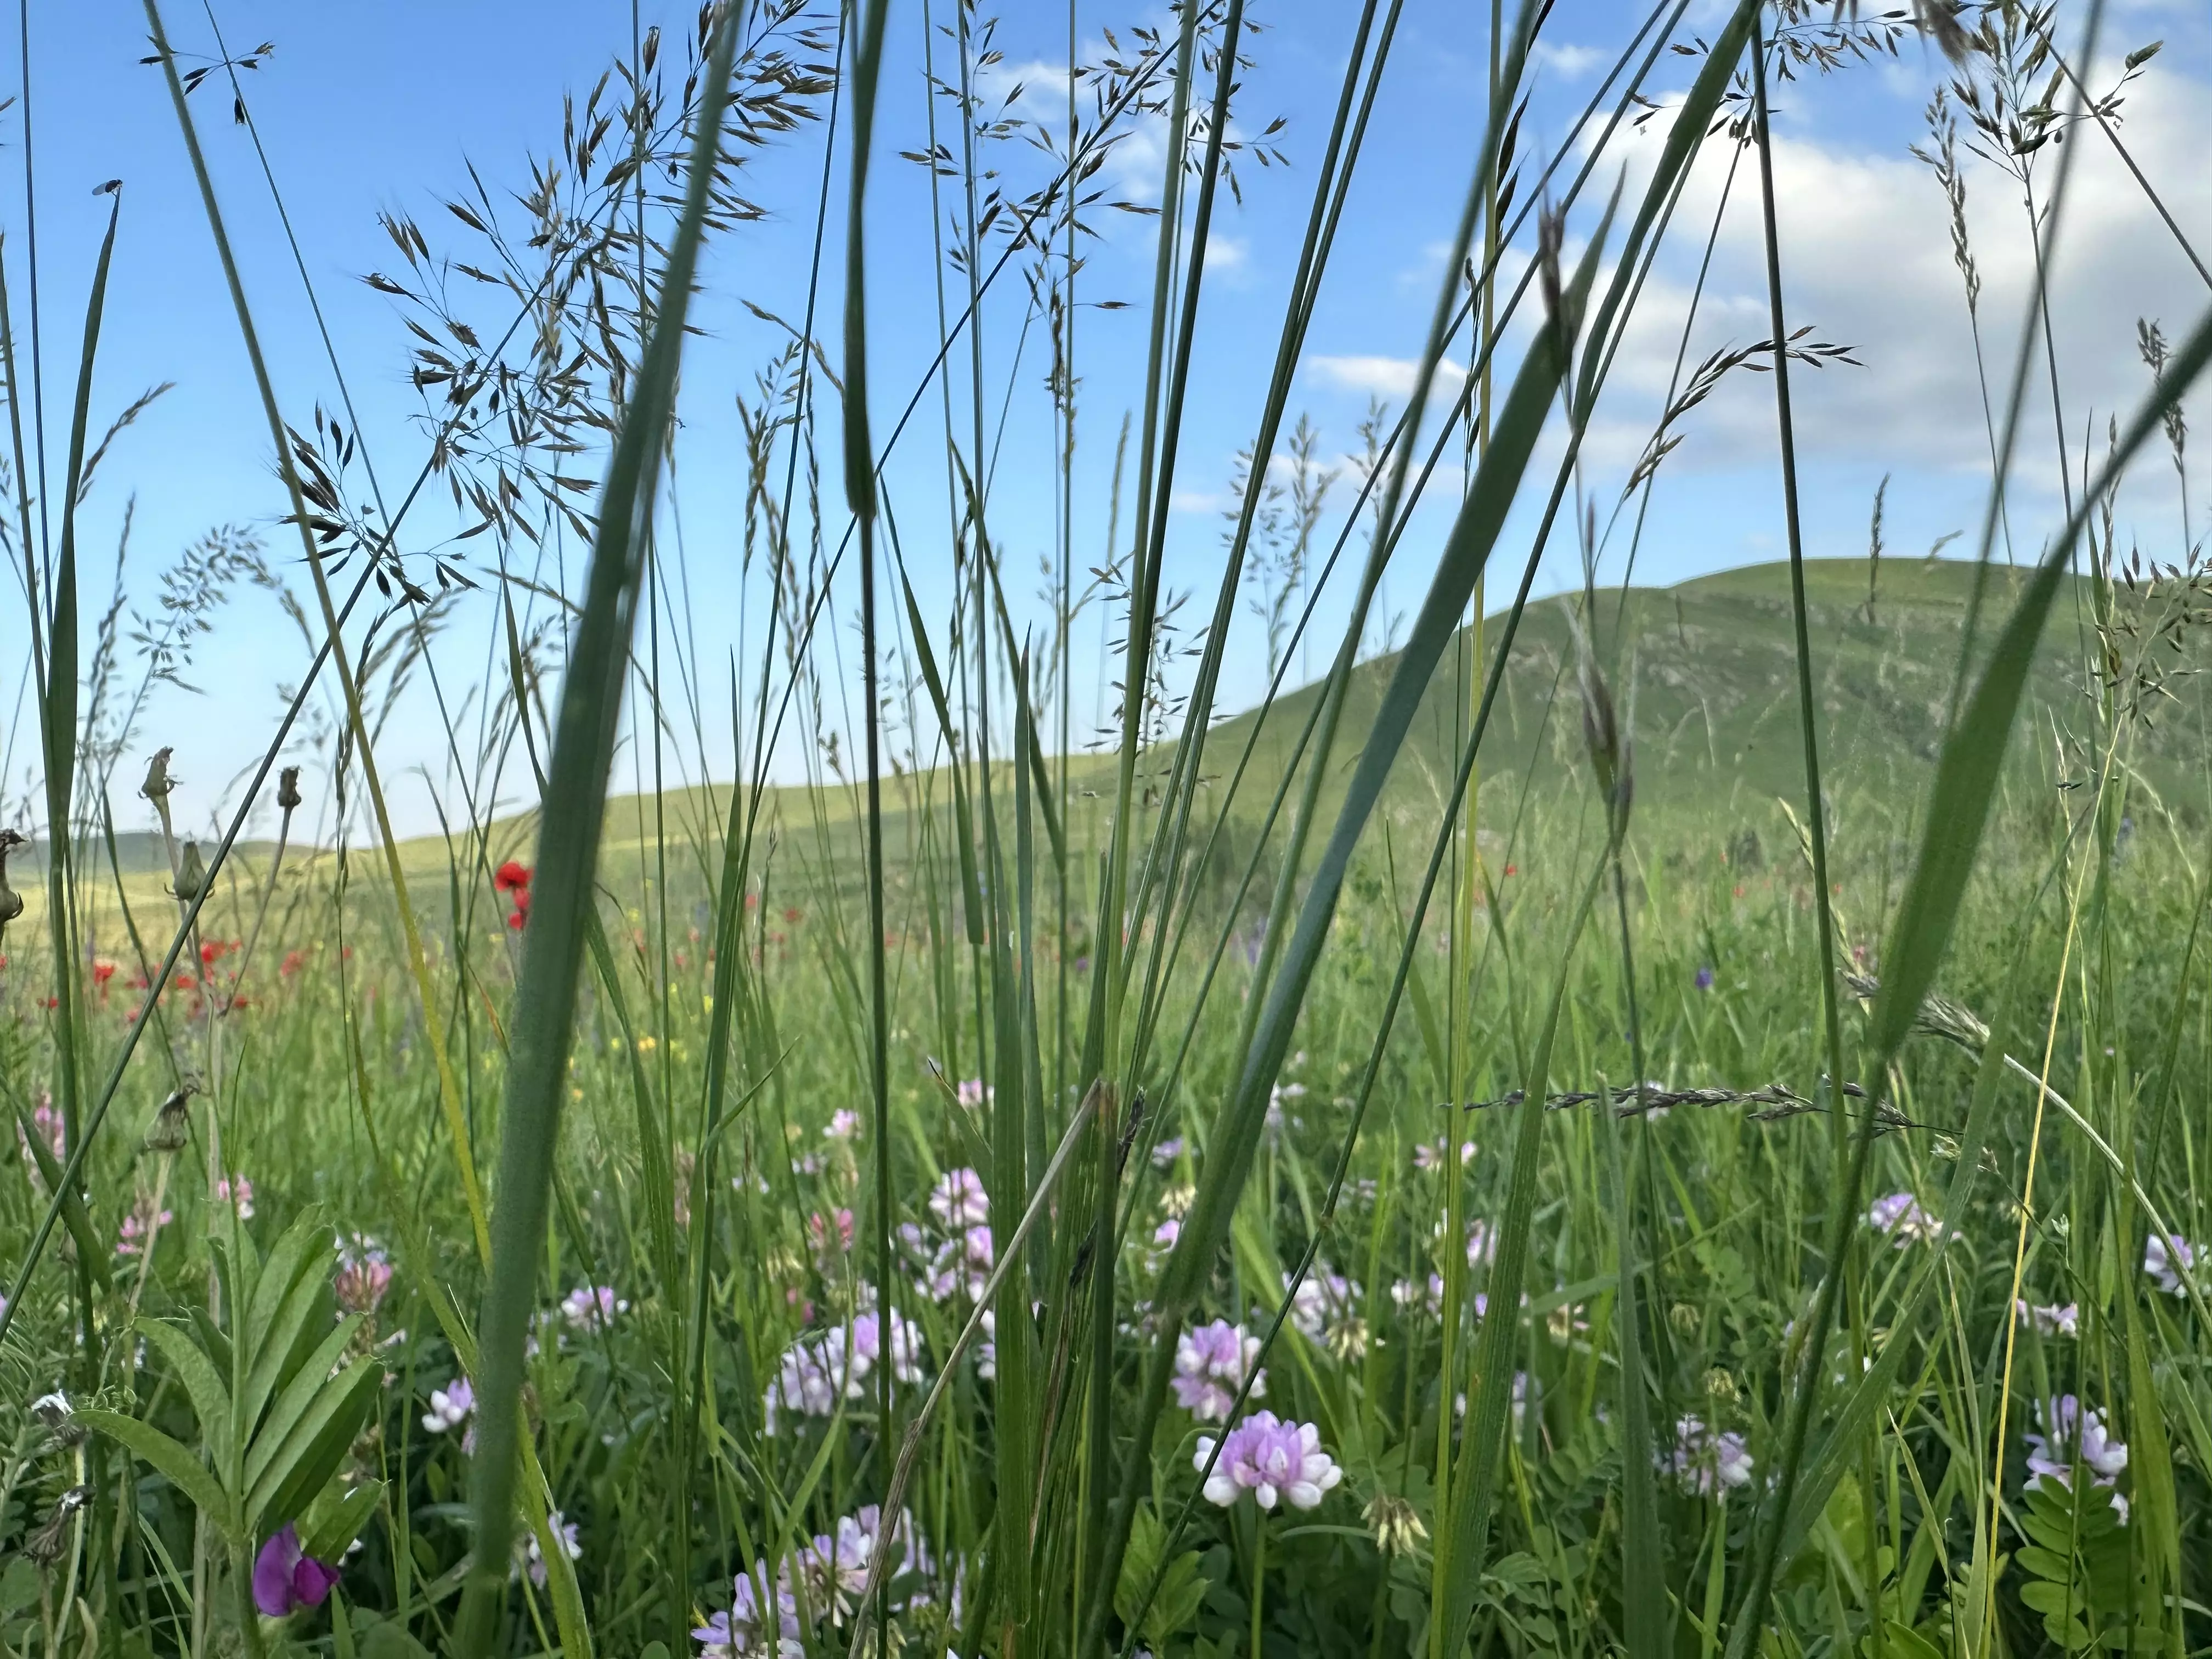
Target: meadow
[(1655, 1120)]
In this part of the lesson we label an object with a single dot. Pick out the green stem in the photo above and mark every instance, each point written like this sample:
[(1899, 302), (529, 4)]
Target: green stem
[(1259, 1570)]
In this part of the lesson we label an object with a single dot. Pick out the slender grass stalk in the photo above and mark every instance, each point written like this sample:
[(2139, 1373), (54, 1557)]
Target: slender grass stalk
[(568, 838)]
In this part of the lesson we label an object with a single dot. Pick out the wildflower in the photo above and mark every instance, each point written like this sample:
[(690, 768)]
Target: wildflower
[(867, 1350), (48, 1122), (958, 1199), (571, 1546), (818, 1230), (293, 961), (1901, 1216), (1705, 1464), (450, 1407), (2167, 1265), (102, 971), (986, 1348), (1177, 1200), (286, 1579), (140, 1226), (592, 1305), (738, 1630), (511, 878), (2052, 1321), (975, 1092), (1209, 1364), (237, 1192), (1167, 1153), (1481, 1243), (364, 1276), (1164, 1235), (803, 1383), (1270, 1459), (1323, 1305), (2065, 1430), (1405, 1294), (961, 1264), (1427, 1156), (844, 1126), (1705, 978)]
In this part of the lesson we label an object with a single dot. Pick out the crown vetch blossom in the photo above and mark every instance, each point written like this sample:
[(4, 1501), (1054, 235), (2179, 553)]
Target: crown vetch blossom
[(2167, 1265), (1211, 1361), (1273, 1459), (1901, 1216), (2065, 1430), (1704, 1463), (959, 1199)]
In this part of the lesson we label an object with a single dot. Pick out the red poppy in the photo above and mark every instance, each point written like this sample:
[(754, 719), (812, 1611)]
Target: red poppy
[(1513, 870), (511, 878), (291, 965), (186, 982), (53, 1002), (102, 972), (208, 952), (520, 914), (791, 913)]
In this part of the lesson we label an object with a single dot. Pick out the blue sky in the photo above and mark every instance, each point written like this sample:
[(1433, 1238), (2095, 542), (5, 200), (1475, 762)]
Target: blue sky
[(382, 108)]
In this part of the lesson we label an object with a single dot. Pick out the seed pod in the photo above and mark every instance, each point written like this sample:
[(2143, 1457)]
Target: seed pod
[(172, 1124), (192, 874), (288, 788), (44, 1546), (11, 902), (158, 782)]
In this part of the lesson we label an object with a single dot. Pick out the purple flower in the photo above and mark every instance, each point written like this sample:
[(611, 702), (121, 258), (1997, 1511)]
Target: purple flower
[(1705, 1464), (739, 1629), (1705, 978), (237, 1191), (2167, 1266), (592, 1305), (1209, 1364), (450, 1407), (1901, 1216), (1324, 1305), (571, 1546), (2052, 1320), (1270, 1459), (976, 1092), (958, 1199), (844, 1126), (2065, 1430), (286, 1579), (364, 1276), (1167, 1153)]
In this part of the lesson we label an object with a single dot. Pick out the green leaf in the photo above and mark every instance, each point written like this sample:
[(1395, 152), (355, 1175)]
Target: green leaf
[(284, 1344), (570, 824), (182, 1469), (317, 1444), (335, 1519), (202, 1384), (317, 1374)]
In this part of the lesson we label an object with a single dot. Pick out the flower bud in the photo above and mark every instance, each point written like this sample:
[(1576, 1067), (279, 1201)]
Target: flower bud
[(192, 874), (288, 788)]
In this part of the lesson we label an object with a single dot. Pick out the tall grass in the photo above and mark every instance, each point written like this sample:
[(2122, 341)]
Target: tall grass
[(916, 1170)]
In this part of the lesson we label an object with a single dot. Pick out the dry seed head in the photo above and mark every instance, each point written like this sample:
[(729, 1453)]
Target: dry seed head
[(192, 874), (172, 1123), (158, 782), (1395, 1523), (44, 1546), (11, 902), (288, 788)]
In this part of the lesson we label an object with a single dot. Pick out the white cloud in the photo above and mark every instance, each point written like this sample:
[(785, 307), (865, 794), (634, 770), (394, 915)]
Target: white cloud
[(1568, 62), (1385, 377), (1866, 252)]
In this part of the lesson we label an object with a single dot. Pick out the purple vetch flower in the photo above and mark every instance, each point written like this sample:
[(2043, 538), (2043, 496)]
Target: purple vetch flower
[(976, 1092), (803, 1383), (1901, 1216), (1324, 1307), (1705, 1464), (1704, 981), (1167, 1153), (238, 1192), (2167, 1265), (959, 1199), (986, 1348), (450, 1407), (2064, 1431), (1436, 1155), (1273, 1459), (1210, 1364), (740, 1630), (286, 1579), (139, 1227), (844, 1126), (571, 1546), (1164, 1235), (2052, 1320), (1407, 1294), (866, 1346), (592, 1305), (364, 1275)]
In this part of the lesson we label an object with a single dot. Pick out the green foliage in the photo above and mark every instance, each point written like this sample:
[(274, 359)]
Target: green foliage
[(2081, 1572)]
